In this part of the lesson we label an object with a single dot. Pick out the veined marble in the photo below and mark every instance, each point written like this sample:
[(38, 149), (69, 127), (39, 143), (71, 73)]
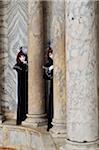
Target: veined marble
[(13, 30), (81, 47), (17, 36), (3, 55), (22, 138)]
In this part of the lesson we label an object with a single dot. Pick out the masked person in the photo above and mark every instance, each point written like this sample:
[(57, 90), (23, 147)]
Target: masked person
[(21, 67), (48, 76)]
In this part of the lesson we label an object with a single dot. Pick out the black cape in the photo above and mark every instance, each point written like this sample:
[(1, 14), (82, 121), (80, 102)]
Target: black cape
[(22, 90)]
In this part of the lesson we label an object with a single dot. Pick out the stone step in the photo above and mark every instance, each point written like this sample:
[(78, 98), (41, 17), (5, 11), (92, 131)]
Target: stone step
[(14, 137)]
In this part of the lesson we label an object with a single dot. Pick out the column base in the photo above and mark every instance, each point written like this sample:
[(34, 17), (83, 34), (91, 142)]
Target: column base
[(35, 120), (80, 146), (58, 129)]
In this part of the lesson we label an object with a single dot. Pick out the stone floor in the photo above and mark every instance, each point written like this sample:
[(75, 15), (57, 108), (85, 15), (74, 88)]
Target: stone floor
[(14, 137), (25, 138)]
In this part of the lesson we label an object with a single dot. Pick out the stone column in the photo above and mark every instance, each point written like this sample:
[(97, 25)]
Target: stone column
[(58, 38), (81, 46), (3, 58), (36, 108)]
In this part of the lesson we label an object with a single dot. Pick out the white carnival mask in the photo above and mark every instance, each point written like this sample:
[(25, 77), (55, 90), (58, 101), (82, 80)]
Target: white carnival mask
[(51, 55)]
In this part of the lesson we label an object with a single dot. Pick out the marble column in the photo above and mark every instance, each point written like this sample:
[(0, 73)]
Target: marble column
[(81, 47), (3, 56), (58, 44), (36, 101)]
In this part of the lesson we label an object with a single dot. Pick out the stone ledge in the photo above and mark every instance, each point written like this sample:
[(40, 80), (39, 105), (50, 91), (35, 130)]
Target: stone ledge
[(20, 138)]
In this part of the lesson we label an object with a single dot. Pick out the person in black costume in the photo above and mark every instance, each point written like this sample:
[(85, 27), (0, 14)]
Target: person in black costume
[(22, 71), (48, 76)]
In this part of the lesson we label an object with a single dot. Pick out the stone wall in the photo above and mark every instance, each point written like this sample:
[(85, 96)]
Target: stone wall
[(17, 36), (13, 34)]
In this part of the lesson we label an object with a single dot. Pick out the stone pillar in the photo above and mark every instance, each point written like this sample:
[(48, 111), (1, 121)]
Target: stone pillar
[(81, 46), (58, 38), (3, 58), (36, 108)]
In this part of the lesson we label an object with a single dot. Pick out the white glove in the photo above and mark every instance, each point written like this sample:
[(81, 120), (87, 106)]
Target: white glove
[(51, 68)]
